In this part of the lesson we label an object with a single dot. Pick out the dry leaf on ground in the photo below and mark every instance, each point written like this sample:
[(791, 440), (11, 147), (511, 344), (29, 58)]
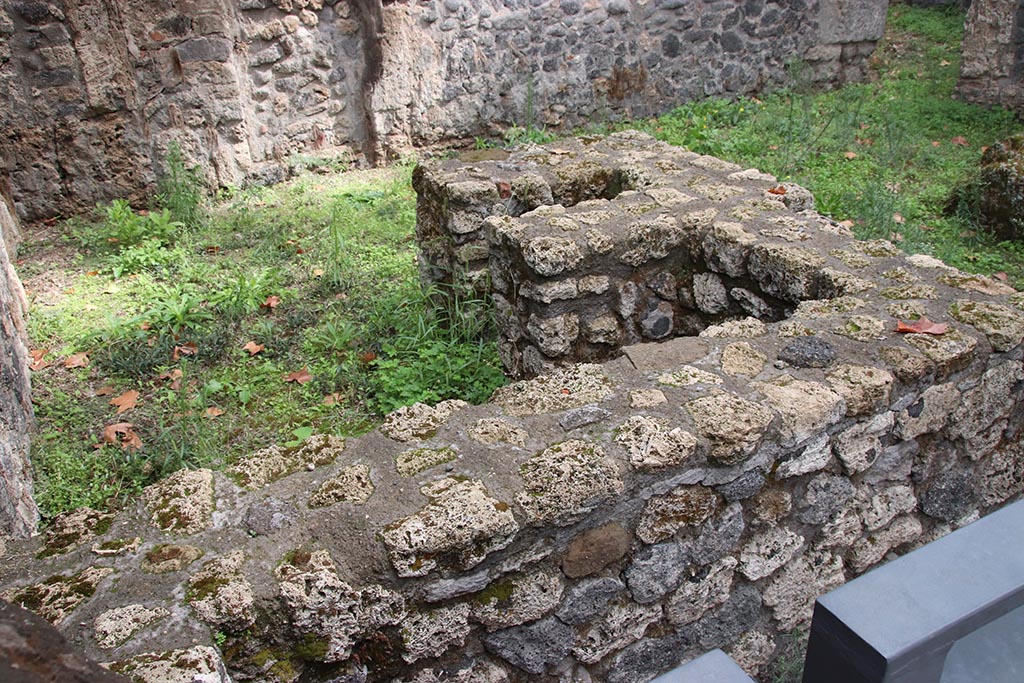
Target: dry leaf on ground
[(125, 401)]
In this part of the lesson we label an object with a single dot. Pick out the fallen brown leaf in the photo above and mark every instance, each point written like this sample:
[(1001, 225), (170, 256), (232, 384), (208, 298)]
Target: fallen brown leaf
[(125, 401), (333, 399), (37, 356), (77, 360), (850, 155), (253, 348), (922, 326), (777, 190), (186, 349), (1000, 276), (272, 301), (898, 218), (105, 391), (300, 377), (960, 141), (214, 411), (122, 433)]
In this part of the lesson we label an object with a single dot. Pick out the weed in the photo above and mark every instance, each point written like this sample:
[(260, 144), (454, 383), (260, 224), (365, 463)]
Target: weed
[(180, 190)]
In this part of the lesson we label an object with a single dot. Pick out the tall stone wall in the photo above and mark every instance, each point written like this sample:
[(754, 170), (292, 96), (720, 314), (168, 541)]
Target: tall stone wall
[(94, 91), (18, 512), (993, 54), (601, 522)]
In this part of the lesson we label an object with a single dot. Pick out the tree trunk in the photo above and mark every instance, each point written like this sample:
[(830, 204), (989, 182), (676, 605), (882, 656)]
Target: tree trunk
[(18, 512)]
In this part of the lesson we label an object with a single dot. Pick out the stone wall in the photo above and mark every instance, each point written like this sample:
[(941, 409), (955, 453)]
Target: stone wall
[(18, 512), (94, 91), (993, 54), (601, 522)]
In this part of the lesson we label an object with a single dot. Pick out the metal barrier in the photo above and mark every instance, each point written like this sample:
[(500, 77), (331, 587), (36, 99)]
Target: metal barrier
[(948, 612)]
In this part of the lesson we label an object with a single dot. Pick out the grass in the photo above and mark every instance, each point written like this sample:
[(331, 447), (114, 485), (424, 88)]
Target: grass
[(887, 154), (320, 274), (317, 276)]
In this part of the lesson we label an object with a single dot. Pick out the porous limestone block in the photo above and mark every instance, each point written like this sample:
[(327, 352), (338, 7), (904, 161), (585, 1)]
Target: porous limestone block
[(419, 421), (701, 592), (565, 481), (769, 550), (727, 247), (806, 408), (683, 507), (733, 425), (980, 418), (624, 623), (220, 594), (791, 594), (930, 413), (515, 600), (461, 523), (115, 626), (183, 502), (865, 389), (430, 633), (328, 611), (565, 388), (790, 273), (653, 444)]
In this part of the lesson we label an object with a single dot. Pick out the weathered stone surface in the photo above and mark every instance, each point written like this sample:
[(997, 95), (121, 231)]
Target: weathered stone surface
[(653, 444), (806, 408), (623, 624), (415, 460), (33, 650), (565, 481), (1003, 326), (741, 359), (733, 425), (595, 549), (56, 597), (71, 529), (859, 446), (865, 389), (808, 352), (701, 592), (930, 413), (535, 647), (419, 421), (768, 551), (490, 431), (872, 548), (950, 496), (117, 625), (518, 599), (950, 352), (569, 388), (199, 663), (331, 610), (183, 502), (270, 464), (687, 375), (792, 593), (824, 497), (430, 633), (588, 599), (461, 524), (351, 484), (813, 457), (978, 419), (220, 594), (656, 570), (789, 273), (685, 506), (727, 247)]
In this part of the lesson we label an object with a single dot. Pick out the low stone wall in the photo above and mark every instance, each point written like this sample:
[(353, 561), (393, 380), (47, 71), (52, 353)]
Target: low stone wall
[(94, 91), (990, 71), (602, 522)]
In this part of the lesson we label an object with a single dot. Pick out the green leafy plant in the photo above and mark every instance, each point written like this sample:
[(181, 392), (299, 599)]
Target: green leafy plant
[(180, 190)]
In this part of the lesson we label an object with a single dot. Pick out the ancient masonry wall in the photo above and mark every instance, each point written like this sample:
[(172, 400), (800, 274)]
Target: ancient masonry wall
[(993, 54), (601, 522), (94, 91)]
